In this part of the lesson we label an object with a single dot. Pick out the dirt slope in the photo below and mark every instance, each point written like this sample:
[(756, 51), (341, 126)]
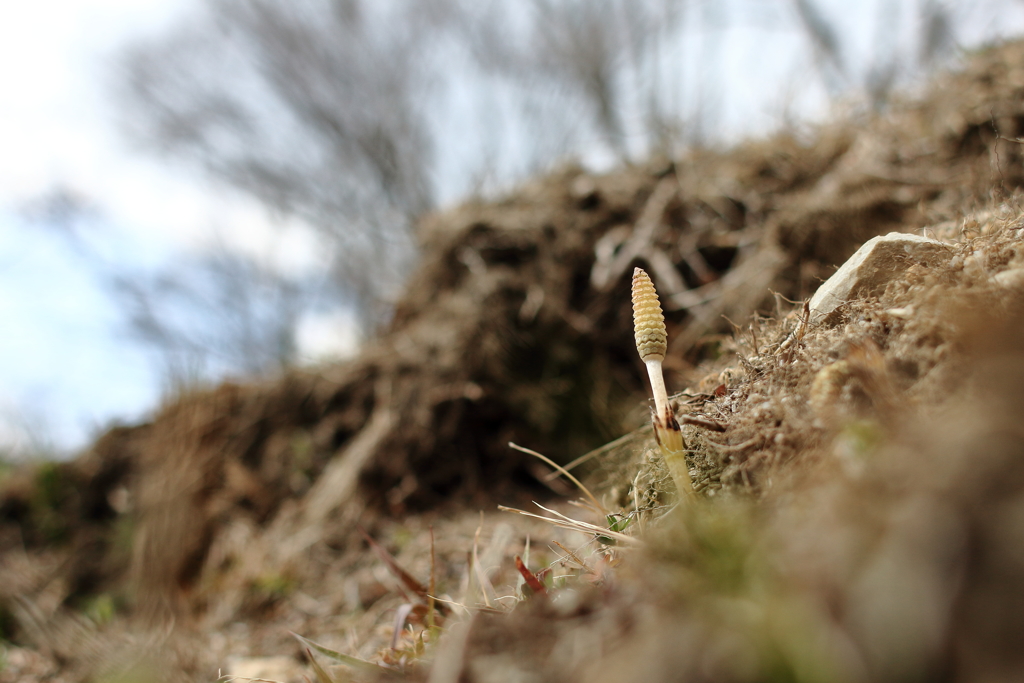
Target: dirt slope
[(516, 327)]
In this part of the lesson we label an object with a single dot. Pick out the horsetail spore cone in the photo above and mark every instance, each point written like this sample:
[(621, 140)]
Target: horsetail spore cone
[(649, 332), (652, 345), (648, 321)]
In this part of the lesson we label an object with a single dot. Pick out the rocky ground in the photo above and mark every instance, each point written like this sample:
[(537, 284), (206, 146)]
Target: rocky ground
[(858, 470)]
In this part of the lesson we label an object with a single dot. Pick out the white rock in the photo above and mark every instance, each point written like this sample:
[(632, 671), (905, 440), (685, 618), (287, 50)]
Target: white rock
[(875, 264)]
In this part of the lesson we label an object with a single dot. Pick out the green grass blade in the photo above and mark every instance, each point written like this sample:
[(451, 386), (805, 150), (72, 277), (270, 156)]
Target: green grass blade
[(337, 656), (321, 675)]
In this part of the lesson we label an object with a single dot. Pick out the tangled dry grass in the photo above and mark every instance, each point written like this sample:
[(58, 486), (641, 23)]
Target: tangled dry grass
[(869, 535)]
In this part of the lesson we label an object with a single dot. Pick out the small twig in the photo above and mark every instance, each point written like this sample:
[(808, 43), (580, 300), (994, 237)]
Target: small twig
[(605, 274), (729, 320), (699, 266), (720, 411), (692, 298), (748, 366), (789, 346), (706, 423), (728, 448), (788, 301), (707, 484)]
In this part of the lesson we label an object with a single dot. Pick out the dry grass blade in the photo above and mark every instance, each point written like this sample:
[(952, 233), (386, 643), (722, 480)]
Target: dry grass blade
[(584, 505), (521, 579), (321, 675), (572, 556), (486, 589), (608, 447), (407, 579), (574, 525), (564, 472), (433, 583), (467, 610), (337, 656)]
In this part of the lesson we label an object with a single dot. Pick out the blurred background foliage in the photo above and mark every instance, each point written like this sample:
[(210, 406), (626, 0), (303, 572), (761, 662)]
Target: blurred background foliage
[(348, 120)]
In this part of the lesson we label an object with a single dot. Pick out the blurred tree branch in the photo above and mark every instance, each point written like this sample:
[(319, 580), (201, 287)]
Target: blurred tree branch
[(932, 29), (337, 112), (309, 106), (205, 314)]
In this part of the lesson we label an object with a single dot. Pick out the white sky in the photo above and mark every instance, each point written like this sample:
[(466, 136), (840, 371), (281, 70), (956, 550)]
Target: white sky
[(60, 373), (64, 369)]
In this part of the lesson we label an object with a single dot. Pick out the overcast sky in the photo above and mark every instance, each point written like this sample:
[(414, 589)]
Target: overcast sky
[(66, 368)]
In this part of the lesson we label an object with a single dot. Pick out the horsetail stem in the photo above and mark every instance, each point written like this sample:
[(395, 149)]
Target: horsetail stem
[(652, 345)]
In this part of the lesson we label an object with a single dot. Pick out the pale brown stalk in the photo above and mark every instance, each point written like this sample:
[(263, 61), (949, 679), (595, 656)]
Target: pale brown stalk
[(652, 345)]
